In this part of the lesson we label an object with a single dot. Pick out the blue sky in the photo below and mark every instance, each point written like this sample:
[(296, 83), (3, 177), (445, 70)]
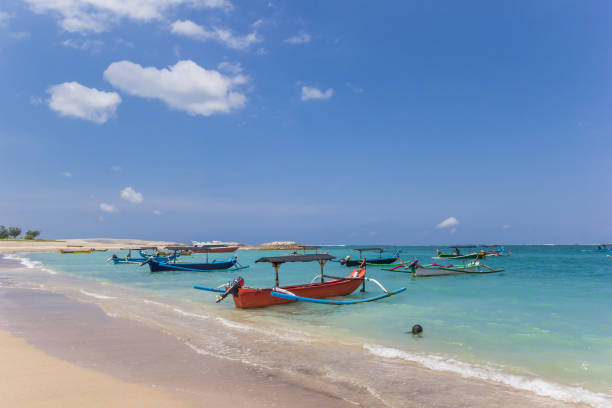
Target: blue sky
[(322, 122)]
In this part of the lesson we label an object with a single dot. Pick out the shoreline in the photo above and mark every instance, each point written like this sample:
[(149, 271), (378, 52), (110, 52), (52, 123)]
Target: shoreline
[(421, 383)]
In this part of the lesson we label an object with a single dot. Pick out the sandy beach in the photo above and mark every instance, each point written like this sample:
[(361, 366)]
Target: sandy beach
[(8, 246), (66, 352)]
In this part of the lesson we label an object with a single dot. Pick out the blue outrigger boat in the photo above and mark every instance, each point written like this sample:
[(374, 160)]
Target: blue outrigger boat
[(160, 265), (347, 261), (142, 256)]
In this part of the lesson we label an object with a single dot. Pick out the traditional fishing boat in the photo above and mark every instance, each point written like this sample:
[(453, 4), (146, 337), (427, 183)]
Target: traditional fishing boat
[(458, 255), (600, 248), (99, 250), (76, 251), (442, 270), (159, 265), (212, 247), (144, 253), (347, 261), (314, 292), (494, 250)]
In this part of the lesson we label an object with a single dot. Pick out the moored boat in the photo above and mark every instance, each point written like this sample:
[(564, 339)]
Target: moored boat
[(347, 261), (76, 251), (442, 270), (159, 265), (314, 292), (458, 255)]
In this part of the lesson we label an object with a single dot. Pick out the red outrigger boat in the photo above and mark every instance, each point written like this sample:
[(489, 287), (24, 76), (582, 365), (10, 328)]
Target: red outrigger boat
[(314, 292)]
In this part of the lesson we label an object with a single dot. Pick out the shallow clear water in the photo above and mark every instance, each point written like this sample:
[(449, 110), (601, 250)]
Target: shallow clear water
[(547, 317)]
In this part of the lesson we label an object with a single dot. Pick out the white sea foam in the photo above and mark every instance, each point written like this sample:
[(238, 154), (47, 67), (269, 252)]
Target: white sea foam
[(96, 295), (152, 302), (28, 263), (189, 314), (535, 385), (234, 325)]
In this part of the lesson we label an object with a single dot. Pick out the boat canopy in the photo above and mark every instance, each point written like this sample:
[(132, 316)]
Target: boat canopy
[(277, 260), (368, 249)]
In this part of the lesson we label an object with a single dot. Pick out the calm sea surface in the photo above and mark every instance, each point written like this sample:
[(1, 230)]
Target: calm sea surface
[(544, 325)]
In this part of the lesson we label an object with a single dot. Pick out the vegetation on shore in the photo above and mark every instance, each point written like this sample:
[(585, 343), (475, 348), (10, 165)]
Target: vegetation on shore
[(11, 233)]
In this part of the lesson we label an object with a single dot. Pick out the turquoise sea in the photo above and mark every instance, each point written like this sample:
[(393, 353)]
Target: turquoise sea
[(543, 325)]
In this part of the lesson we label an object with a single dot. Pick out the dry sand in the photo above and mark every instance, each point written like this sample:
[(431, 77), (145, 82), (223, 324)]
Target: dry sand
[(76, 244), (30, 378)]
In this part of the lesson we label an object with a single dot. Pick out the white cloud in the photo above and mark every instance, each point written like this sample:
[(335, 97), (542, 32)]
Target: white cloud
[(449, 222), (506, 226), (185, 86), (261, 51), (66, 174), (257, 23), (131, 195), (4, 18), (302, 38), (115, 168), (96, 16), (74, 99), (190, 29), (309, 93), (157, 212), (20, 35), (108, 208), (232, 67), (84, 44)]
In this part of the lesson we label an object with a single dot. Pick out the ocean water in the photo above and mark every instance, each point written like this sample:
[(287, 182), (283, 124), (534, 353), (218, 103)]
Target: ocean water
[(543, 325)]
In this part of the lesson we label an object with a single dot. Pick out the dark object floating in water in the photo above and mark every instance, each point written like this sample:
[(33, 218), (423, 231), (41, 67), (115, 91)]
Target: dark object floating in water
[(417, 329)]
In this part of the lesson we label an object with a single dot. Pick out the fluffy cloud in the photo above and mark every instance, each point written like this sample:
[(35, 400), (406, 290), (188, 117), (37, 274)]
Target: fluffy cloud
[(108, 208), (115, 168), (85, 16), (309, 93), (185, 86), (449, 222), (129, 194), (157, 212), (74, 99), (66, 174), (190, 29), (302, 38)]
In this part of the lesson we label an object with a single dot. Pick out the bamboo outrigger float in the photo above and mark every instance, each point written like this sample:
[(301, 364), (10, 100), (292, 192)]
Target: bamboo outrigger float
[(314, 292), (443, 270)]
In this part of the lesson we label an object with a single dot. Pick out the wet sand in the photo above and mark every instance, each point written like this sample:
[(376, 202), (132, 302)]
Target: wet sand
[(83, 335)]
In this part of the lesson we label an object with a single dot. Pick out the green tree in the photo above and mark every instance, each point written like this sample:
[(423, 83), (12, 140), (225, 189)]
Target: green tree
[(14, 232), (31, 234), (3, 232)]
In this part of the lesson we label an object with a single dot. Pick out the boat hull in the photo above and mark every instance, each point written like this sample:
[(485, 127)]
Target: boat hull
[(69, 251), (475, 255), (375, 261), (248, 298), (214, 250), (156, 266)]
